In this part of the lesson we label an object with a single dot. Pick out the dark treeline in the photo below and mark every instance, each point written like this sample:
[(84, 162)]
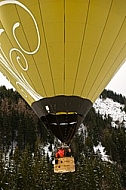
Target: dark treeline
[(114, 96), (18, 123), (25, 165)]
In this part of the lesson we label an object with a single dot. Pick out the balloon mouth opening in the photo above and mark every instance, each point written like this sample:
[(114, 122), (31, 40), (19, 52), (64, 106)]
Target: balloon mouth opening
[(62, 115), (63, 126)]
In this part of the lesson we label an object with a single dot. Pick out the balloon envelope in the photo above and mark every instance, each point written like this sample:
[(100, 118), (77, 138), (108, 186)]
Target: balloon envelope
[(60, 55)]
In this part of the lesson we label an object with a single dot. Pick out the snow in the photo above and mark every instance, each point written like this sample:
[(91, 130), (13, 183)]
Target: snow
[(102, 152), (107, 107)]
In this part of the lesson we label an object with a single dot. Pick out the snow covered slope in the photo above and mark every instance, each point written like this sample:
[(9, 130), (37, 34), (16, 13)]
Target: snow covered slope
[(113, 109)]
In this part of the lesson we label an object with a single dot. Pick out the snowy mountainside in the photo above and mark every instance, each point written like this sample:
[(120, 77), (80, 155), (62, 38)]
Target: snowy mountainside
[(110, 108), (107, 107)]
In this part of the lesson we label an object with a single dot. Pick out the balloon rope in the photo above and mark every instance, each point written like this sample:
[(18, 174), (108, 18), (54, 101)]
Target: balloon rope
[(49, 131), (57, 121), (59, 126)]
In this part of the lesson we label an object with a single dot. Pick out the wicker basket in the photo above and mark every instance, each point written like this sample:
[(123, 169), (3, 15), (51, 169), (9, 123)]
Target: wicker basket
[(63, 165)]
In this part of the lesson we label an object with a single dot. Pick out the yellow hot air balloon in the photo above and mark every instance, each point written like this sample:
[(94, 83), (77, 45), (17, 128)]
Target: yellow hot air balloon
[(61, 54)]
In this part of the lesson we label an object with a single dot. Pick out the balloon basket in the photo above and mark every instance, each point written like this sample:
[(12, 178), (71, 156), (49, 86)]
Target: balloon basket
[(64, 165)]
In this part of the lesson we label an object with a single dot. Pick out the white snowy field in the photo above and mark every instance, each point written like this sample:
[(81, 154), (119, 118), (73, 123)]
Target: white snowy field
[(110, 108)]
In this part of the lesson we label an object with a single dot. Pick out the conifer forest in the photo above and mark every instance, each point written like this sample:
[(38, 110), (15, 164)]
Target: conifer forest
[(27, 150)]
